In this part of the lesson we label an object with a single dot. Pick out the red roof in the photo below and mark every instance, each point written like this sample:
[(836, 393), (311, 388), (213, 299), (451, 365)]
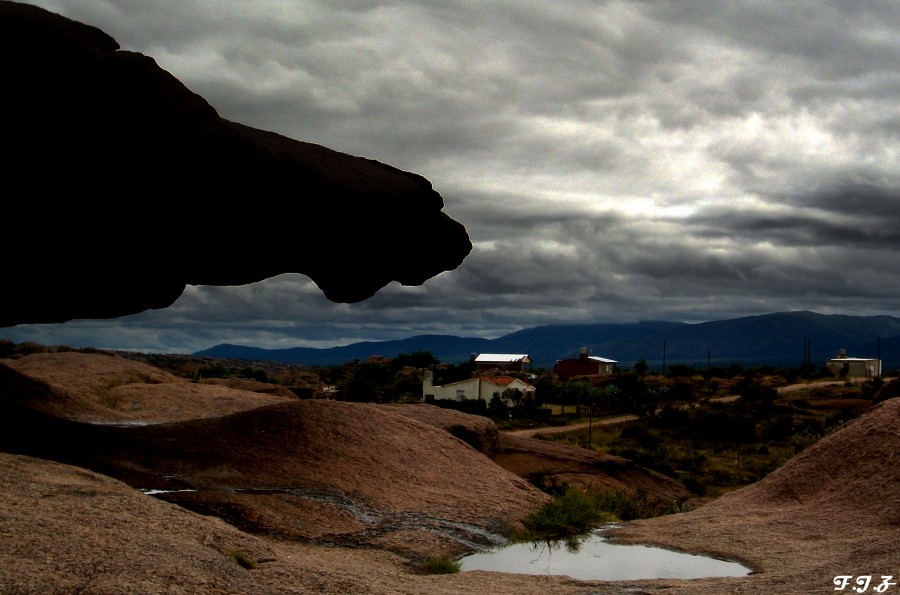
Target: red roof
[(502, 380)]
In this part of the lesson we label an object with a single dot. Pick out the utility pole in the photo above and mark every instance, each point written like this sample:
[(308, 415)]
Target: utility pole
[(664, 358), (807, 358), (590, 429), (879, 357)]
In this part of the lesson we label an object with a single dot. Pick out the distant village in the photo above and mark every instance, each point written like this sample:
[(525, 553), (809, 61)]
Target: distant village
[(492, 374)]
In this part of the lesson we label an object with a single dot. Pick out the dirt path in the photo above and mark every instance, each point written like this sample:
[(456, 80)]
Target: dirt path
[(817, 383), (532, 432)]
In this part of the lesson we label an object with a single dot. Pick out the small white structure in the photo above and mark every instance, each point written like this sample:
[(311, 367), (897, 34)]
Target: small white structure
[(843, 366), (503, 361), (482, 387)]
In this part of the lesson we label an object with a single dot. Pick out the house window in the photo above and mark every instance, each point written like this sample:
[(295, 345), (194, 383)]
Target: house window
[(460, 394)]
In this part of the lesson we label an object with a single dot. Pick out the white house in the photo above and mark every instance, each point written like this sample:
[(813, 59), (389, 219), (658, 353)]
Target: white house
[(843, 366), (503, 361), (482, 387)]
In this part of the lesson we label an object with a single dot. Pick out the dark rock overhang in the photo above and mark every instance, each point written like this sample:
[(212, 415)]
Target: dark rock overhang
[(122, 186)]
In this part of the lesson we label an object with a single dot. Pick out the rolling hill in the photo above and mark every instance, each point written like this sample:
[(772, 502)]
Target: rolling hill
[(777, 339)]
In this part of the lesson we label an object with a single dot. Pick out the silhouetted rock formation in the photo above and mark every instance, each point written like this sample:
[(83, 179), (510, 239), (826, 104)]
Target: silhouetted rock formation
[(122, 186)]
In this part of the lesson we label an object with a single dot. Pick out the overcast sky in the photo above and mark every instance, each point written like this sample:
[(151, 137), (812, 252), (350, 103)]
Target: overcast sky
[(612, 161)]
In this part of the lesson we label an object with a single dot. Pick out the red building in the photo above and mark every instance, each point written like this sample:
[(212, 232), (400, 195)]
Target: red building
[(585, 365)]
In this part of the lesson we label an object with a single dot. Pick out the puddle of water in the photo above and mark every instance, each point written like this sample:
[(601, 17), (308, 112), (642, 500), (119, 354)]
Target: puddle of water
[(594, 558)]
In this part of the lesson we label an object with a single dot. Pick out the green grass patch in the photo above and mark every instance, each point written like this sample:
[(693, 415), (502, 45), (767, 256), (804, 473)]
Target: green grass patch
[(442, 565), (243, 559)]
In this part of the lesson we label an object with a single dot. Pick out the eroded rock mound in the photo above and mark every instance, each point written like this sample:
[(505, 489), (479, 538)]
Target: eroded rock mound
[(479, 432), (123, 186), (341, 473), (106, 388), (69, 530), (549, 464), (831, 510)]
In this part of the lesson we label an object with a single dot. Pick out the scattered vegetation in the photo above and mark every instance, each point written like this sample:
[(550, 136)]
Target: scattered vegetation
[(715, 446)]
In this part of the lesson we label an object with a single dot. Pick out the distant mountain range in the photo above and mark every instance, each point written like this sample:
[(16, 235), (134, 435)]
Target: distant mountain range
[(778, 339)]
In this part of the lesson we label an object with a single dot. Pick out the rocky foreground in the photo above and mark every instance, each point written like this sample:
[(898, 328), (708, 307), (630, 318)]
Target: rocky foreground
[(265, 493)]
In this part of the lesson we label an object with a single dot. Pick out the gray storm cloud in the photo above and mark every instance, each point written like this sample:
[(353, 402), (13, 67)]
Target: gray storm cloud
[(611, 161)]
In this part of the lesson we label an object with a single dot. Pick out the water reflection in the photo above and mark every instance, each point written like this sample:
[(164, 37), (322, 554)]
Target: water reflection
[(592, 557)]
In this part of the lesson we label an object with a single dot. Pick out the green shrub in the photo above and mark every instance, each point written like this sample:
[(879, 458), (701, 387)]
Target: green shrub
[(441, 566), (677, 507), (809, 435), (254, 373), (549, 484), (696, 484), (627, 505), (577, 512), (574, 513)]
